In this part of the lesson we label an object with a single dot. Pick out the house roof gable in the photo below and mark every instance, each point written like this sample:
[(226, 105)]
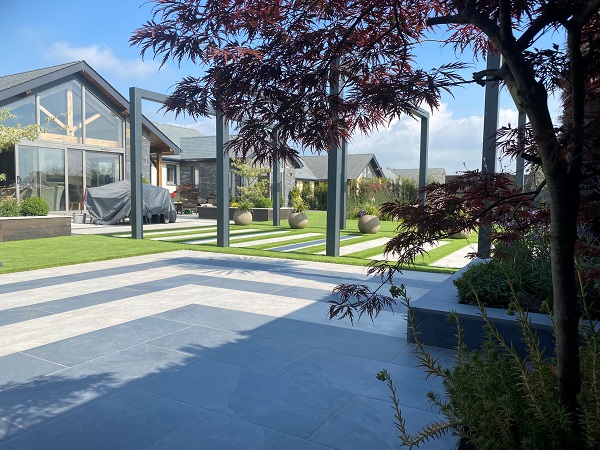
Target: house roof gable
[(317, 166), (21, 83)]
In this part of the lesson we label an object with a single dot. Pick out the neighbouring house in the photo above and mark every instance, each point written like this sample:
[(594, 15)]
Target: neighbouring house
[(434, 174), (196, 164), (314, 169), (85, 138)]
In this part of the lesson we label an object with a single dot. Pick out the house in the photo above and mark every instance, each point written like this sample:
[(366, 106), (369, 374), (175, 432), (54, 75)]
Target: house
[(314, 169), (434, 174), (196, 164), (85, 138)]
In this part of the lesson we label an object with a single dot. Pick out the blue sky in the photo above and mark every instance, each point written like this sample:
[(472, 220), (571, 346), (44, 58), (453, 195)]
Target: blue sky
[(38, 34)]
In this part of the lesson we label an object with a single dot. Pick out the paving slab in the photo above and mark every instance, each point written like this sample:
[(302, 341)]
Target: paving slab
[(177, 349), (261, 241), (359, 247), (458, 259)]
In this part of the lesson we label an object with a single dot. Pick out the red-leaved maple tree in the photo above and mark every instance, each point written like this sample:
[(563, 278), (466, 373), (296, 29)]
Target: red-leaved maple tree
[(272, 63)]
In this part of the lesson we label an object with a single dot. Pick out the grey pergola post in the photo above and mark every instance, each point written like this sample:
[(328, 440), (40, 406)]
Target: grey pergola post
[(344, 184), (423, 153), (136, 95), (222, 182), (520, 170), (334, 163), (276, 192), (276, 187), (490, 127)]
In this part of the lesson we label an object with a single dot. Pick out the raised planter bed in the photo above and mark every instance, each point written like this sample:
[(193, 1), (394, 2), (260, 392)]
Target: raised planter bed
[(431, 313), (33, 227), (258, 214)]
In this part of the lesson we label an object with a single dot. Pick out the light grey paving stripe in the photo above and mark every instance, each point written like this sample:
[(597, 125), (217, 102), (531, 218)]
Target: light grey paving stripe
[(278, 239), (348, 249), (456, 260), (292, 247), (199, 234), (391, 257), (166, 233), (245, 236)]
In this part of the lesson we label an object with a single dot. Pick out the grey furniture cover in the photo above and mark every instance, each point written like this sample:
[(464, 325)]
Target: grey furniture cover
[(111, 203)]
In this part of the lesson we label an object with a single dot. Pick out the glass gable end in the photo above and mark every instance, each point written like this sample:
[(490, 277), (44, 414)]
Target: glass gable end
[(60, 113)]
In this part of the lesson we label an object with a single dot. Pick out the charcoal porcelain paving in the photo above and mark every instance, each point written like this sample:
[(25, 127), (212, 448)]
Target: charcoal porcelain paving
[(285, 405), (208, 351), (131, 419), (220, 432)]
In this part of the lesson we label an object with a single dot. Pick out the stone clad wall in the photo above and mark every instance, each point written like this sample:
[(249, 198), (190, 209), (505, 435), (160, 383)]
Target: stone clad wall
[(19, 228)]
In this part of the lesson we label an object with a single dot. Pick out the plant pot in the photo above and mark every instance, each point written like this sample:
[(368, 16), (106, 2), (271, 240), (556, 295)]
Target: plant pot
[(369, 224), (79, 217), (298, 220), (242, 217)]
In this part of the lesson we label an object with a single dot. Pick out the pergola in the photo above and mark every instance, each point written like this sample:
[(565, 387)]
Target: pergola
[(337, 160)]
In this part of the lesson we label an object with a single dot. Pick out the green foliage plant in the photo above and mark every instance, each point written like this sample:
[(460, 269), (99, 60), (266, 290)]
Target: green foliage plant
[(9, 207), (320, 197), (263, 202), (34, 206), (498, 400), (245, 205)]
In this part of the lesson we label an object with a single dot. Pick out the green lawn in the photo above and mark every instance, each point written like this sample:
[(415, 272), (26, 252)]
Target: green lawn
[(40, 253)]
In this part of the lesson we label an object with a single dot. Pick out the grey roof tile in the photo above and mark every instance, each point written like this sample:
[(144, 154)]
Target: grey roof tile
[(317, 165), (176, 132), (9, 81), (433, 173)]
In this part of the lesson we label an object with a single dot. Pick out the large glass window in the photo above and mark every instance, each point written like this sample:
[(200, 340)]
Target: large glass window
[(102, 168), (42, 174), (102, 126), (24, 112), (60, 112), (75, 179)]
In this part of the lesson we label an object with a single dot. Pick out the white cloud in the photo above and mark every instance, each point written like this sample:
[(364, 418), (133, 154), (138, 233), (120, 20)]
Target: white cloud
[(102, 59), (205, 125), (454, 143)]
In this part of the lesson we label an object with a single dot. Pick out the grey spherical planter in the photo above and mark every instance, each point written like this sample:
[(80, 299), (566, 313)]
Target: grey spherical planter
[(242, 217), (298, 220), (368, 224)]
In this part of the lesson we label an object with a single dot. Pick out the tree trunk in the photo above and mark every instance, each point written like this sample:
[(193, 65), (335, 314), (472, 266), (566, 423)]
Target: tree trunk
[(564, 207)]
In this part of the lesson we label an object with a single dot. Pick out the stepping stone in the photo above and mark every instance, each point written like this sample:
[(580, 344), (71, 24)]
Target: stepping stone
[(165, 233), (391, 257), (244, 236), (271, 240), (456, 260), (348, 249), (301, 245)]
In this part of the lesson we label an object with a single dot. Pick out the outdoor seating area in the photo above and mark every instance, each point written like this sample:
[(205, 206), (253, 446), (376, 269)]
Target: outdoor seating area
[(167, 351)]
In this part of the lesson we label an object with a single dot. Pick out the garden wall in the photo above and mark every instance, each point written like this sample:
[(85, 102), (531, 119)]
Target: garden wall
[(29, 227), (431, 313)]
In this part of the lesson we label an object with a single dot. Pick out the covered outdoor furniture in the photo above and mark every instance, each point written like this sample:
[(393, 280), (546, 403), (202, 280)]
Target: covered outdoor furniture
[(111, 203)]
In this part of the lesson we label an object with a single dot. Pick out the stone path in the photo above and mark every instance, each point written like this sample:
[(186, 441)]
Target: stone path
[(273, 240), (456, 259), (303, 245), (243, 234), (182, 349), (354, 248), (391, 257), (200, 234)]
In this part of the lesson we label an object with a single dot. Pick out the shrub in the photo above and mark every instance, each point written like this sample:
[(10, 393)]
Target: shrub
[(320, 197), (486, 283), (34, 206), (525, 262), (9, 207), (263, 202)]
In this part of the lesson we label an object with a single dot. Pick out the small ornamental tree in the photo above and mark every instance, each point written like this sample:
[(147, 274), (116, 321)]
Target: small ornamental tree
[(279, 63), (9, 136)]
